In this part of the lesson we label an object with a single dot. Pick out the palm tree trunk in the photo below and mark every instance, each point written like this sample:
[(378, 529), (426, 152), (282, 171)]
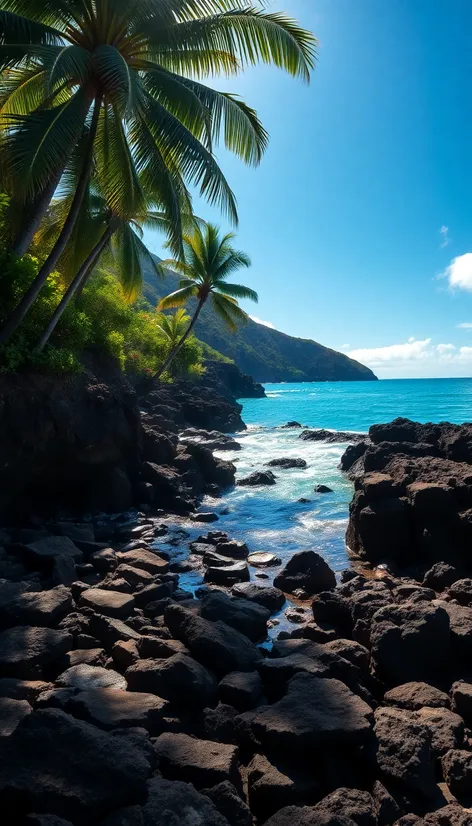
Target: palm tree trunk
[(180, 343), (79, 280), (25, 236), (20, 311)]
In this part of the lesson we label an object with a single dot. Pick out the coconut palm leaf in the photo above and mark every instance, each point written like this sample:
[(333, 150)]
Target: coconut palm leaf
[(42, 142), (232, 315), (251, 35), (236, 291), (18, 28), (128, 61), (177, 299)]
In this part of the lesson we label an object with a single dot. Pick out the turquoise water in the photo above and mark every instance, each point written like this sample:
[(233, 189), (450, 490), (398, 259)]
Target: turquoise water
[(357, 405), (271, 518)]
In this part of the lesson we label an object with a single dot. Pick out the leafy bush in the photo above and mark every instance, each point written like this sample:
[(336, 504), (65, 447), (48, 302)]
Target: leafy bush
[(16, 275), (101, 319)]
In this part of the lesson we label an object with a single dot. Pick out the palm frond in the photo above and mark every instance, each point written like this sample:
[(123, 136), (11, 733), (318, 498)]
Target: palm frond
[(198, 165), (177, 299), (73, 64), (177, 266), (24, 28), (119, 180), (127, 257), (228, 310), (251, 35), (42, 142), (236, 291), (234, 121), (115, 78), (181, 101)]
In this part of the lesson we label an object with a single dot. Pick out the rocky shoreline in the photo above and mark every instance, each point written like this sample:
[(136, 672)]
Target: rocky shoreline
[(126, 700)]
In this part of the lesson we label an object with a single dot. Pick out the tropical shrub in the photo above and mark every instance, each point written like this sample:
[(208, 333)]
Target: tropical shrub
[(101, 320)]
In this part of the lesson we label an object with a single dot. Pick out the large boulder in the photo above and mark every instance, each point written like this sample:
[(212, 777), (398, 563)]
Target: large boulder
[(169, 803), (228, 802), (201, 762), (109, 630), (84, 676), (410, 642), (258, 478), (446, 728), (179, 679), (414, 696), (306, 570), (69, 768), (241, 689), (272, 785), (271, 598), (142, 558), (307, 816), (214, 470), (313, 713), (227, 575), (287, 463), (109, 603), (43, 551), (109, 709), (457, 769), (353, 803), (36, 607), (214, 644), (11, 713), (25, 650), (404, 753), (245, 616)]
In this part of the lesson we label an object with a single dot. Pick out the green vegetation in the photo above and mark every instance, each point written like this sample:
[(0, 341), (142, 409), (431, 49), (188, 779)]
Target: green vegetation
[(266, 354), (102, 320), (106, 124), (208, 260)]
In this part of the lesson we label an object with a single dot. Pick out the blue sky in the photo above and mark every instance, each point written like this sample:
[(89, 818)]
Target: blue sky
[(360, 214)]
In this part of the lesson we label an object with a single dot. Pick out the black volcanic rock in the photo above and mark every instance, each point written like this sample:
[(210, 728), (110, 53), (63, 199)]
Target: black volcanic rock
[(413, 499), (331, 436)]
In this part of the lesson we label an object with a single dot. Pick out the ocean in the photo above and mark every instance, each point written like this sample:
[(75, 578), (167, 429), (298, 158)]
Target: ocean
[(271, 518)]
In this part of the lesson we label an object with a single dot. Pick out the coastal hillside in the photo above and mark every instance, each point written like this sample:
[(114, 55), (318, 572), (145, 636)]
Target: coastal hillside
[(267, 355)]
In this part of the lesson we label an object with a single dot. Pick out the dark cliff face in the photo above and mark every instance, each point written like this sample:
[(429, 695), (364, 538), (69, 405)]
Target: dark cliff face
[(79, 442), (413, 498), (230, 382), (266, 354), (72, 439)]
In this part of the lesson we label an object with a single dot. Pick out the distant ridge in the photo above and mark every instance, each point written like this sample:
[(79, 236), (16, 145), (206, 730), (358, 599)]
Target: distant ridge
[(266, 354)]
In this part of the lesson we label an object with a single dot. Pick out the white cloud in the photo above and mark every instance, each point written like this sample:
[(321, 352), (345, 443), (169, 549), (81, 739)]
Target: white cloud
[(264, 323), (459, 272), (445, 348), (467, 325), (345, 346), (444, 233), (416, 359)]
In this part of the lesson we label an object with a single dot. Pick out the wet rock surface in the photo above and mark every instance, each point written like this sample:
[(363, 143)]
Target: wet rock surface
[(126, 700)]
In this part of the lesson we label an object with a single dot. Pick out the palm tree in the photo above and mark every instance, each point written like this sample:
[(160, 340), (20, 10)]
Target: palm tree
[(100, 231), (207, 262), (173, 326), (122, 79)]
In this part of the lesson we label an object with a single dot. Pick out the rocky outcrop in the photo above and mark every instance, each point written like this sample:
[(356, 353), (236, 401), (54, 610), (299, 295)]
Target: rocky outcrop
[(80, 443), (413, 498), (331, 436), (184, 404), (228, 380), (68, 440), (130, 701)]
